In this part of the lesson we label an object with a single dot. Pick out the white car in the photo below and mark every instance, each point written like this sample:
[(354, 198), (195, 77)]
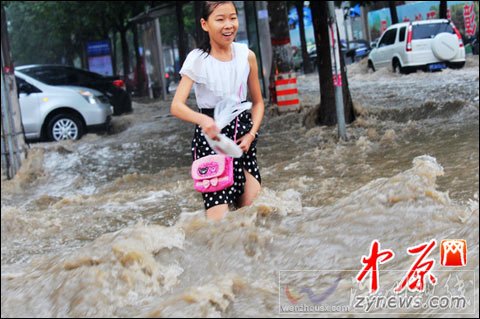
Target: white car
[(60, 112), (428, 45)]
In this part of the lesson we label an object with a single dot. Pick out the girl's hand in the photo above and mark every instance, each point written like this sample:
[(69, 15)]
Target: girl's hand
[(245, 141), (209, 127)]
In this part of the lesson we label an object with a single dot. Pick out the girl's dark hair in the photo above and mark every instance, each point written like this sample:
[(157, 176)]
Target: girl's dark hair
[(207, 8)]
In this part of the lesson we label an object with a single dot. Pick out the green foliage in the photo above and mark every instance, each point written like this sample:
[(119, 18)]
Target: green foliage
[(169, 28), (56, 31), (189, 18), (29, 26)]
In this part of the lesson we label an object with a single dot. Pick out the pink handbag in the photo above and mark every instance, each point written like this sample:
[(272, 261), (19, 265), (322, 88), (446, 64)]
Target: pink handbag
[(213, 173)]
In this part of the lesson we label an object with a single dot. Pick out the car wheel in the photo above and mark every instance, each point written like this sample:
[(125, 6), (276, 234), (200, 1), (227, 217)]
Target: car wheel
[(370, 66), (397, 67), (65, 127), (456, 65)]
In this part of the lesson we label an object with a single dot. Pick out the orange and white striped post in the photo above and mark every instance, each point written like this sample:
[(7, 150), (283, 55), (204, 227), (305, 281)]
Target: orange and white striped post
[(287, 92)]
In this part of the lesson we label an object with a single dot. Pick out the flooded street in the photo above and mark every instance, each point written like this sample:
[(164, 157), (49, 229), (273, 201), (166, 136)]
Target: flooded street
[(110, 226)]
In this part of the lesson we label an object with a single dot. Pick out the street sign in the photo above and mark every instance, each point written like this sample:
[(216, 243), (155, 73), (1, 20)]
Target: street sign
[(99, 57)]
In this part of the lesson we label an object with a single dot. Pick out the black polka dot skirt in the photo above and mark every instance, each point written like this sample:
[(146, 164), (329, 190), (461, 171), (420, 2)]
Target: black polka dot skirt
[(248, 161)]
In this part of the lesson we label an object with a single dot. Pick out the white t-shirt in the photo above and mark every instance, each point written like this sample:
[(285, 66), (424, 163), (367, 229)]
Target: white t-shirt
[(215, 80)]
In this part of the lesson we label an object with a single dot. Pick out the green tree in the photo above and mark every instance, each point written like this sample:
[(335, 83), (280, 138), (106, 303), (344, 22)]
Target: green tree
[(117, 15), (57, 32), (37, 32)]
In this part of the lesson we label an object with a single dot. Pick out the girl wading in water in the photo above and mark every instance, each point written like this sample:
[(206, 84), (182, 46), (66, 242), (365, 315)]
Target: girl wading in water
[(221, 70)]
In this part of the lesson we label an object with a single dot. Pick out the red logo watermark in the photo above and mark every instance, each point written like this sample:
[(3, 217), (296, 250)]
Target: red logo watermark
[(453, 253), (415, 278), (371, 264)]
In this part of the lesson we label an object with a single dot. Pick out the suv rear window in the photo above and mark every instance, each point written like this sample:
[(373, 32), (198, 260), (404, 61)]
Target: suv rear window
[(428, 31)]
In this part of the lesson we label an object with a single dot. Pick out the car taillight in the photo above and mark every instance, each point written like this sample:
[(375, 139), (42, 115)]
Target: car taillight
[(459, 36), (119, 84), (409, 38)]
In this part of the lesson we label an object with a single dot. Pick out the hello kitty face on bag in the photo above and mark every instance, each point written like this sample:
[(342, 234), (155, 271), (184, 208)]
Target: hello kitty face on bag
[(208, 169)]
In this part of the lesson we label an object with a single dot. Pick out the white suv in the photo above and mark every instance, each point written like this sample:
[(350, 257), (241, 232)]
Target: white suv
[(429, 45)]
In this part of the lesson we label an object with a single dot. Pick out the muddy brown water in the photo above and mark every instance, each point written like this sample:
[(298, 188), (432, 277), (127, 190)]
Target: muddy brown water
[(109, 226)]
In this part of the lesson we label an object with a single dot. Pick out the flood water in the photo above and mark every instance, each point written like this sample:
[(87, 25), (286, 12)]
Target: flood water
[(110, 226)]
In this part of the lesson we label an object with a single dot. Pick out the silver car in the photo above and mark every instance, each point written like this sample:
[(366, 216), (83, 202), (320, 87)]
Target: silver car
[(60, 113)]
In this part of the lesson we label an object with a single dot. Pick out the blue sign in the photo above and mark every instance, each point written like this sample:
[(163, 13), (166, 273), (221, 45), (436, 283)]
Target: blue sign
[(293, 17), (355, 11), (99, 57), (98, 48)]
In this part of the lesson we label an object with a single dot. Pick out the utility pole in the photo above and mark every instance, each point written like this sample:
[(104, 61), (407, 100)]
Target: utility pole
[(13, 145), (336, 70)]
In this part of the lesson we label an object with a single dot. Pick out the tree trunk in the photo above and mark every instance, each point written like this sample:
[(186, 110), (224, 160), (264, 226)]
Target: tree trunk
[(327, 111), (70, 54), (114, 53), (282, 57), (393, 11), (83, 57), (443, 9), (125, 57), (307, 65), (327, 114), (139, 68), (104, 28), (182, 50), (280, 36)]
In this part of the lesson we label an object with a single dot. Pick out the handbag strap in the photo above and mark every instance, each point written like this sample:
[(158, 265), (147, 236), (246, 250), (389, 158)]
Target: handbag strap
[(234, 139), (240, 90)]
